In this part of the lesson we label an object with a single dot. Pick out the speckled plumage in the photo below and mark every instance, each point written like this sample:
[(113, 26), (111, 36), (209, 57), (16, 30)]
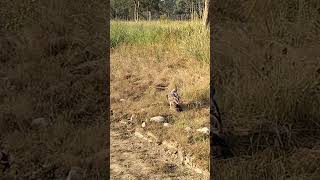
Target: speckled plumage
[(174, 100)]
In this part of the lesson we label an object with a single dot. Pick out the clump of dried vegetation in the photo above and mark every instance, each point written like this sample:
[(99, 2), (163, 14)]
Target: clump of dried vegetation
[(267, 75), (51, 60)]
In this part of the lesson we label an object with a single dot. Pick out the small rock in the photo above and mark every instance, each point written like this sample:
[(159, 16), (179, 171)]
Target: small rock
[(158, 119), (181, 157), (43, 122), (188, 129), (197, 170), (122, 100), (204, 130), (131, 118), (123, 122), (75, 173), (143, 124), (139, 135), (166, 124)]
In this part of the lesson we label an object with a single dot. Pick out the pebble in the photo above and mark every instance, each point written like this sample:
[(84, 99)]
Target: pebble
[(143, 124), (187, 129), (158, 119), (204, 130)]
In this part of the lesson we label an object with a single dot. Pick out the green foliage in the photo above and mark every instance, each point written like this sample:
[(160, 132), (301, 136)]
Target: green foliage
[(130, 33), (190, 37), (198, 42), (163, 17), (124, 9)]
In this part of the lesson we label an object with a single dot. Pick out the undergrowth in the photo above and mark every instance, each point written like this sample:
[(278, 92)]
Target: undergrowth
[(148, 60), (189, 37), (267, 82)]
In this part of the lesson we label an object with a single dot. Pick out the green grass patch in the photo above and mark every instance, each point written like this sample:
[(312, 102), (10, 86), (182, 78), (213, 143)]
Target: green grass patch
[(189, 37)]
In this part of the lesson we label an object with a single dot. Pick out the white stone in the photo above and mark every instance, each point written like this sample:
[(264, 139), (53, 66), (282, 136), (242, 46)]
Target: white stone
[(143, 124), (123, 122), (139, 135), (187, 129), (159, 119), (197, 170), (166, 124), (131, 118), (204, 130), (181, 157)]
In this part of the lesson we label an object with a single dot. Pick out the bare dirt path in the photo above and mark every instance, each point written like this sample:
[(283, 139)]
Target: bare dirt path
[(133, 158)]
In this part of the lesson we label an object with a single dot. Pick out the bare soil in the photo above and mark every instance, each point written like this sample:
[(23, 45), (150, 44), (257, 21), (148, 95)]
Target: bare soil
[(133, 158)]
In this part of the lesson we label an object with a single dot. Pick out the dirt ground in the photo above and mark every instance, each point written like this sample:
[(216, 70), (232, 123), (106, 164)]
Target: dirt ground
[(133, 158)]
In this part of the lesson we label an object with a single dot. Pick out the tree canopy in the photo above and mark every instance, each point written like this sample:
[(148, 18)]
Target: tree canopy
[(154, 9)]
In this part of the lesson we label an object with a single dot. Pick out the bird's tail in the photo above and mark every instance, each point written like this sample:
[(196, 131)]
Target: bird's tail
[(178, 108)]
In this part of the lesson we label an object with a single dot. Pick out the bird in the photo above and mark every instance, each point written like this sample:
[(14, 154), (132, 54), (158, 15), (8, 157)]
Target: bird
[(174, 100)]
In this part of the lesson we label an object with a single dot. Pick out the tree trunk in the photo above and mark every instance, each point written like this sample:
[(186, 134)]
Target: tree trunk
[(200, 9), (205, 18), (138, 11), (135, 11), (192, 11)]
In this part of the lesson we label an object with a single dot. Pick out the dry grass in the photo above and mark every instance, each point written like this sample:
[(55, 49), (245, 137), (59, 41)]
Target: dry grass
[(50, 60), (138, 68), (267, 80)]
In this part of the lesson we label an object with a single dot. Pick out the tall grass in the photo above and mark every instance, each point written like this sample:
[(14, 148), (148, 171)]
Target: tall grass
[(189, 37), (256, 73), (134, 34), (268, 82)]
